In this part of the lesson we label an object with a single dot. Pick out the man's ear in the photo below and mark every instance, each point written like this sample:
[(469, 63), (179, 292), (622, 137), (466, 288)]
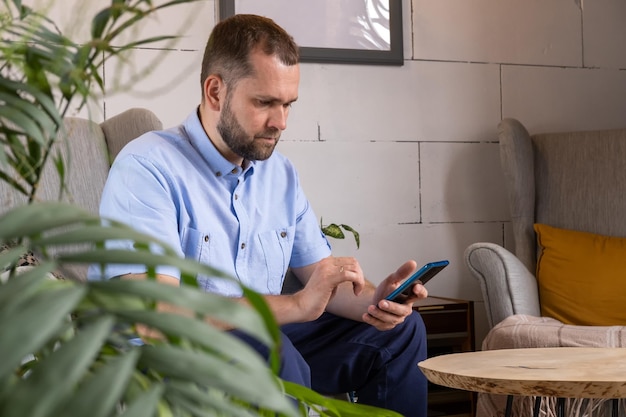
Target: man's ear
[(214, 91)]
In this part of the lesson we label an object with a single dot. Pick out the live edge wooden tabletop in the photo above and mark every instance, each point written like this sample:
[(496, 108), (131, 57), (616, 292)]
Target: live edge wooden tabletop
[(567, 372)]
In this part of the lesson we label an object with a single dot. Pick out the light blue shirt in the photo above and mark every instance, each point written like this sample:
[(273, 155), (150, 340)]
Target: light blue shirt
[(251, 224)]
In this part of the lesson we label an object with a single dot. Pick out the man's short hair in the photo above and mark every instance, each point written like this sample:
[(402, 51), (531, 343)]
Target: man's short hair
[(232, 40)]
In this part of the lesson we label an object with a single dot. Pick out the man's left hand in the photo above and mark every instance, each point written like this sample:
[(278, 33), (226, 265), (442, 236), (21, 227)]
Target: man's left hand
[(384, 314)]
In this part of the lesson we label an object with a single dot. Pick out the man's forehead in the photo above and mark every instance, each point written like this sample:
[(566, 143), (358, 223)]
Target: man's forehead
[(271, 79)]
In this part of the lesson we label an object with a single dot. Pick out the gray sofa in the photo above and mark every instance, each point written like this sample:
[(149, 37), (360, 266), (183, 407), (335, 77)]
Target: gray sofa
[(88, 148), (569, 180)]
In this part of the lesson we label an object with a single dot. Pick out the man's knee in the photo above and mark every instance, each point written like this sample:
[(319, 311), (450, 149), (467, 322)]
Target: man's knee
[(412, 335), (413, 326)]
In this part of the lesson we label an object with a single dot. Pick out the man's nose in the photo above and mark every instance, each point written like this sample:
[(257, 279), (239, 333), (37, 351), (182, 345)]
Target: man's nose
[(278, 118)]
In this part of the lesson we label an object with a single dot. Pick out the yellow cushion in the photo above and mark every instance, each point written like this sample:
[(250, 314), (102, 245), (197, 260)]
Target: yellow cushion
[(581, 276)]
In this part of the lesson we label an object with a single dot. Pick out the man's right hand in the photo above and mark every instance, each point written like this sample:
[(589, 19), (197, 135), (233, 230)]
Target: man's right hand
[(321, 281)]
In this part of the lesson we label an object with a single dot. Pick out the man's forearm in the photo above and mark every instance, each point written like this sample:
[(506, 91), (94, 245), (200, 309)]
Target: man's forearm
[(346, 304), (285, 308)]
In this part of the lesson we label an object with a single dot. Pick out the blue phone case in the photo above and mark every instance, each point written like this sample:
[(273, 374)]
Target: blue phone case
[(424, 274)]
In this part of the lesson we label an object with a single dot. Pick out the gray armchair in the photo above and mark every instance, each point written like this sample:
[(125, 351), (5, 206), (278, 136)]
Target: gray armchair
[(569, 180), (574, 180)]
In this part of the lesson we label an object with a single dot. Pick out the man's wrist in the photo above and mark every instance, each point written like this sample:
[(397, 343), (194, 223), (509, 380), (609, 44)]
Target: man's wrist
[(297, 305)]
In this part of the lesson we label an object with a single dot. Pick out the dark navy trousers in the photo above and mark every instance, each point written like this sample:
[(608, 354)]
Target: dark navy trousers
[(334, 355)]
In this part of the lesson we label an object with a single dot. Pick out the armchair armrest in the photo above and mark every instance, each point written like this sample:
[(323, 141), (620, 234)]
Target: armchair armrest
[(508, 287)]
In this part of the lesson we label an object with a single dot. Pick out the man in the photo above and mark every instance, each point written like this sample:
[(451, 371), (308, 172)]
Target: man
[(216, 191)]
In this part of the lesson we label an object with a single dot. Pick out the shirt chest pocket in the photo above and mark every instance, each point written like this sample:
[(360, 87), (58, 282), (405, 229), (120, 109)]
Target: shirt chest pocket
[(215, 250), (273, 256), (195, 244)]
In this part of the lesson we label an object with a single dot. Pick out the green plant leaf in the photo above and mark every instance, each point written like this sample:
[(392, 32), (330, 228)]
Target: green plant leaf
[(32, 219), (356, 235), (67, 363), (138, 15), (99, 395), (11, 182), (19, 160), (10, 256), (33, 321), (145, 404), (199, 332), (327, 406), (211, 401), (220, 308), (41, 98), (259, 303), (148, 259), (142, 42), (260, 388), (99, 22), (30, 110), (27, 282), (333, 231), (90, 232), (26, 124)]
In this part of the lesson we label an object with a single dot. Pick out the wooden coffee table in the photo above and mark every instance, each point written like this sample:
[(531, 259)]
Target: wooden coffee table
[(562, 372)]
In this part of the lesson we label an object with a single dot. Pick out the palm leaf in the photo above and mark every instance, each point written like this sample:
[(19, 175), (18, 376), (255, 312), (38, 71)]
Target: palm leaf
[(99, 395), (216, 341), (41, 98), (260, 388), (18, 290), (9, 256), (68, 364), (145, 404), (206, 304), (211, 402), (15, 117), (32, 321)]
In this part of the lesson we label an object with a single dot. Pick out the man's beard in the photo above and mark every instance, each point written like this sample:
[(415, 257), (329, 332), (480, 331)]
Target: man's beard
[(240, 142)]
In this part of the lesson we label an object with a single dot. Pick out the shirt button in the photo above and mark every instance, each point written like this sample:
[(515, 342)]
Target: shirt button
[(234, 171), (206, 238), (236, 197), (283, 234), (218, 174), (243, 246)]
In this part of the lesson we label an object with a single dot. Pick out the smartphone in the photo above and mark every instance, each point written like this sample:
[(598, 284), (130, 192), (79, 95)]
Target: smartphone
[(423, 275)]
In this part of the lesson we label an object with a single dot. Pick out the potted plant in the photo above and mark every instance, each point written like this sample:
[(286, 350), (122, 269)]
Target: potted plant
[(65, 343)]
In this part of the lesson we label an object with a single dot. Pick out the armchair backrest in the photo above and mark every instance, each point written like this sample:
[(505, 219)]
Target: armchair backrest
[(87, 149), (570, 180)]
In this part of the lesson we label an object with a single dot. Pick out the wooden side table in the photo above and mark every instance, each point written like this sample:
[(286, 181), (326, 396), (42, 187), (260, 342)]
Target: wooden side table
[(450, 328), (561, 372)]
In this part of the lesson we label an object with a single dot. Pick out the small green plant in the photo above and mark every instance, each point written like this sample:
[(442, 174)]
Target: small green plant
[(334, 230)]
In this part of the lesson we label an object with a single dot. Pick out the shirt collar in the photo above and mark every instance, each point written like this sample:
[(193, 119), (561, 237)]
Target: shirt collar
[(199, 139)]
